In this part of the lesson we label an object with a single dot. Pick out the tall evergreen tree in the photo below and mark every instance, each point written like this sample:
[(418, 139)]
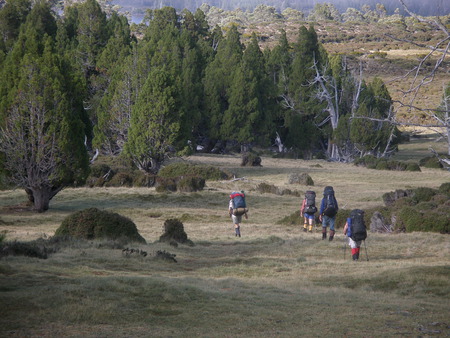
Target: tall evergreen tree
[(43, 135), (218, 78), (154, 122)]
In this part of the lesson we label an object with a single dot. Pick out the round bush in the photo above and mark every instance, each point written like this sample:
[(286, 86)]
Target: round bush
[(430, 162), (93, 223), (121, 179), (190, 184), (382, 165), (413, 167), (445, 188), (423, 194)]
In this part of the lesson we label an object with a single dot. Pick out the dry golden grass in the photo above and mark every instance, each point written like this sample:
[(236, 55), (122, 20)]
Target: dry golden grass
[(274, 281)]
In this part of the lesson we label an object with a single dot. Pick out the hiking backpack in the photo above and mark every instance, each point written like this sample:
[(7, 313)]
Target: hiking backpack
[(358, 231), (330, 203), (310, 197), (239, 205)]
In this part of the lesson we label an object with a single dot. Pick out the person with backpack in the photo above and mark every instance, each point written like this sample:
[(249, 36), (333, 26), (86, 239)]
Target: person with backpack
[(237, 207), (355, 230), (328, 210), (308, 210)]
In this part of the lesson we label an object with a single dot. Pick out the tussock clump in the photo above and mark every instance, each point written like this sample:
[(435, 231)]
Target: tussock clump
[(93, 223), (303, 179), (265, 188), (174, 233)]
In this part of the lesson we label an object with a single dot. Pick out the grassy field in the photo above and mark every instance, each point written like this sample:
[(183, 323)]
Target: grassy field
[(274, 281)]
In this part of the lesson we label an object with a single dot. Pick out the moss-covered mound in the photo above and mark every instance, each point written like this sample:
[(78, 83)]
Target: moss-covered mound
[(93, 223)]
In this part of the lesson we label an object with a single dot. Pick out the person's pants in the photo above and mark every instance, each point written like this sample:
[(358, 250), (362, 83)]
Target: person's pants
[(328, 221)]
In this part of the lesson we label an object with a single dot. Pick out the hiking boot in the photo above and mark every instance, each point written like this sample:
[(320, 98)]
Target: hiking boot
[(324, 235), (331, 235), (304, 229)]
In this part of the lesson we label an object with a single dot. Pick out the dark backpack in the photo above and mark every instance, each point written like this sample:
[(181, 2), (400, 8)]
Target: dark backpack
[(310, 202), (358, 231), (330, 202), (239, 205)]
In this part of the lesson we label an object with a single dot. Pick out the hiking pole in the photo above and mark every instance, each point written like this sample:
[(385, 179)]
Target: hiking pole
[(345, 245), (365, 247)]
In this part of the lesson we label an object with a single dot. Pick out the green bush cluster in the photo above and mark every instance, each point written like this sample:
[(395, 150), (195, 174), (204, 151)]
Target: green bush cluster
[(430, 162), (102, 175), (93, 223), (371, 162), (423, 209), (184, 183), (187, 169)]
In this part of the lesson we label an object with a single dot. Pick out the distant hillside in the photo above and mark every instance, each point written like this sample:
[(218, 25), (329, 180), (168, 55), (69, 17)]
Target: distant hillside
[(421, 7)]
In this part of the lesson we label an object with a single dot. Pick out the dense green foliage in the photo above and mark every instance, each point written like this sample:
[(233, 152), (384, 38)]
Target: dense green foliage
[(97, 224), (94, 85)]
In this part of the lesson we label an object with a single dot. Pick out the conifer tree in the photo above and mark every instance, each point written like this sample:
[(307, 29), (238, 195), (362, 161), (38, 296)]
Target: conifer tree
[(218, 78), (154, 122), (42, 138)]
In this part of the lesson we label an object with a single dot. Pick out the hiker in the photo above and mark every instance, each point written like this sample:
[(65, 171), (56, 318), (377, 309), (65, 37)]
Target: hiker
[(236, 208), (355, 230), (308, 210), (328, 210)]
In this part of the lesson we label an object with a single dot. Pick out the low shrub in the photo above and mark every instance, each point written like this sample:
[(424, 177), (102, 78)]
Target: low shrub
[(265, 188), (412, 167), (430, 162), (190, 184), (28, 249), (302, 178), (142, 179), (445, 189), (371, 162), (423, 194), (164, 184), (186, 169), (121, 179), (250, 160), (93, 223)]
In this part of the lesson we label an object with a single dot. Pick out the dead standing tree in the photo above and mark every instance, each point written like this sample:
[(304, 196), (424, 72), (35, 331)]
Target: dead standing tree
[(437, 119)]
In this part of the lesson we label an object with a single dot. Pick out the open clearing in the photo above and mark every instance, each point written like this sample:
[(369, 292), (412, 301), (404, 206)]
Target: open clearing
[(274, 281)]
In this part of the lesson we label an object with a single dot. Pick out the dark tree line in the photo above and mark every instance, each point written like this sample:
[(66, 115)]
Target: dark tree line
[(80, 80)]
